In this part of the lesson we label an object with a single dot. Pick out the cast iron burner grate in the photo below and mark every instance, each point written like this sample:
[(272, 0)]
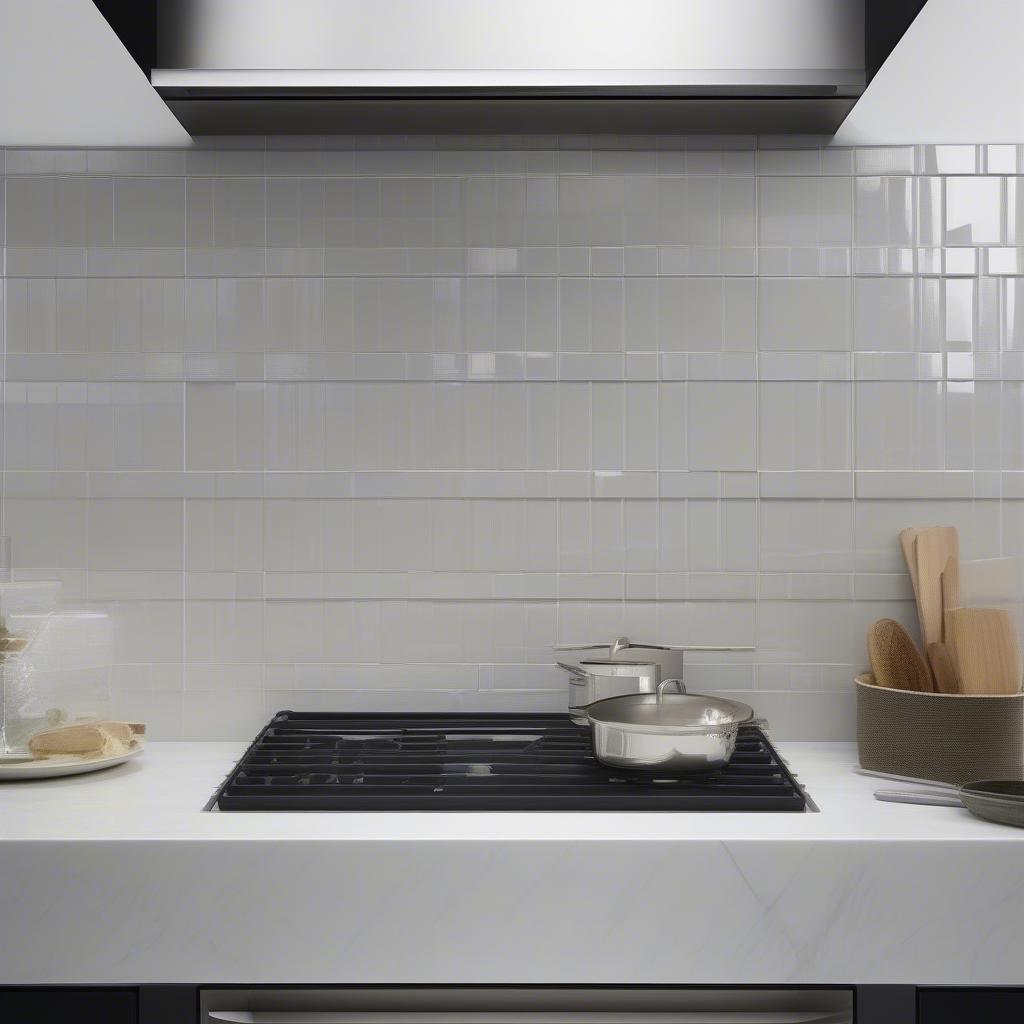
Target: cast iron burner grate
[(506, 762)]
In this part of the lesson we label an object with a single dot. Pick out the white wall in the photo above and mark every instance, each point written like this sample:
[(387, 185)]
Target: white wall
[(956, 76), (66, 80)]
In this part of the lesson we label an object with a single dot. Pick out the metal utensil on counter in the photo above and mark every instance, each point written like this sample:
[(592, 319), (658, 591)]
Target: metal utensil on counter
[(678, 733), (998, 800), (597, 678)]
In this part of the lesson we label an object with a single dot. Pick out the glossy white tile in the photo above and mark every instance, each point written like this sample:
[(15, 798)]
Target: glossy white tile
[(884, 210), (721, 426), (808, 314), (373, 422), (973, 211), (805, 425), (900, 425), (805, 211), (883, 312)]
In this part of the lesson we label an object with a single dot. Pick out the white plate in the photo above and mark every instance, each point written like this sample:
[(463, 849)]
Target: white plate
[(16, 767)]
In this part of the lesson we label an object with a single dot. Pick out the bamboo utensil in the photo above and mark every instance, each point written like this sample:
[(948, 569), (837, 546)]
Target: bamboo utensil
[(941, 661), (946, 659), (895, 661), (987, 655), (907, 538), (934, 547), (994, 583), (950, 589)]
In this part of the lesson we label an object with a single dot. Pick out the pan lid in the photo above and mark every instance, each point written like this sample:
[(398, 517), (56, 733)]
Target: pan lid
[(687, 712)]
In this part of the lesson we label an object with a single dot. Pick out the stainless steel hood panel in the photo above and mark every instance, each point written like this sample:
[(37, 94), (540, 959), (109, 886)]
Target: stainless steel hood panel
[(532, 65), (508, 34)]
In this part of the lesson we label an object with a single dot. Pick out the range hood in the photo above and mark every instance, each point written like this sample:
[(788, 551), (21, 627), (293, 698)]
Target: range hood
[(310, 66)]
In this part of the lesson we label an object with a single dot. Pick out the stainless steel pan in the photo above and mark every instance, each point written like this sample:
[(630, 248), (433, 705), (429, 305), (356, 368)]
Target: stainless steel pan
[(679, 733)]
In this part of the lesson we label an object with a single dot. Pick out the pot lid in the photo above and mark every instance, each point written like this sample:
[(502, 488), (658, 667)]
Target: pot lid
[(617, 661), (690, 712)]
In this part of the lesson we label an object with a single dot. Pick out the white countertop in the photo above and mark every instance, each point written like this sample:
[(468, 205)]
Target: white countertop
[(122, 877), (161, 796)]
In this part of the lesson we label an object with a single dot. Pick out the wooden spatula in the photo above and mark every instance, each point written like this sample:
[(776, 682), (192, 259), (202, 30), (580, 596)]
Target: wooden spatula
[(950, 590), (895, 661), (907, 538), (944, 658), (941, 661), (986, 651), (933, 548)]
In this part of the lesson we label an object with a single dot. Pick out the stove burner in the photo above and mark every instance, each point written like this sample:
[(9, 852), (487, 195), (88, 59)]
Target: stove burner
[(361, 762)]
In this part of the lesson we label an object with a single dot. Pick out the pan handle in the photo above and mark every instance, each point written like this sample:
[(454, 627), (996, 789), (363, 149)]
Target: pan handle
[(930, 783), (935, 797)]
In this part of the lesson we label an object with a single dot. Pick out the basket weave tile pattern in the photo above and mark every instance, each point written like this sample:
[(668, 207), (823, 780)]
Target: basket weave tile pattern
[(947, 737)]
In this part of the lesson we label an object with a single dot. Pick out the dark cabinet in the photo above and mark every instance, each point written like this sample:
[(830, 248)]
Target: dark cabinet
[(970, 1005), (149, 1004), (77, 1005), (178, 1004)]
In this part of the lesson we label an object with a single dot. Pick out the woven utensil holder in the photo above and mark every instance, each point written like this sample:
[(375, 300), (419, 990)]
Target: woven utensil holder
[(947, 737)]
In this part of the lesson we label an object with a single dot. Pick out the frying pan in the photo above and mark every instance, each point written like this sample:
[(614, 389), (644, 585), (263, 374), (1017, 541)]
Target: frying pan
[(668, 732), (998, 800)]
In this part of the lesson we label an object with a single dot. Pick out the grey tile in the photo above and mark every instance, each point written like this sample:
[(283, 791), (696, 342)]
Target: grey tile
[(239, 212), (46, 211), (804, 314), (149, 212)]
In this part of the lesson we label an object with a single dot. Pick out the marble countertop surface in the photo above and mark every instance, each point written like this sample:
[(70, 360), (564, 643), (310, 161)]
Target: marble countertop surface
[(162, 795), (122, 878)]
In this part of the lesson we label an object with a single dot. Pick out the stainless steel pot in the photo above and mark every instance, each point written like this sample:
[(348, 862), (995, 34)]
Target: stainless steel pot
[(598, 678), (678, 733)]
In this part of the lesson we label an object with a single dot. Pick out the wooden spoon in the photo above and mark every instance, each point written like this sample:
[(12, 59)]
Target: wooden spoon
[(986, 650), (895, 661)]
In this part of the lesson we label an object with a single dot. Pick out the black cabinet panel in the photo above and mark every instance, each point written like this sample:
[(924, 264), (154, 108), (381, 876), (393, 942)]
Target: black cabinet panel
[(70, 1005), (886, 1004), (168, 1004), (970, 1005)]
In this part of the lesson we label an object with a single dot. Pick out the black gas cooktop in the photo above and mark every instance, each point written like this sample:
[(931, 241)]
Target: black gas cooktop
[(361, 762)]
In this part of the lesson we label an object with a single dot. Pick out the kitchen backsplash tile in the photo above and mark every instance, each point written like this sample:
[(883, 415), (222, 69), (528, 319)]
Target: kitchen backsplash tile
[(372, 423)]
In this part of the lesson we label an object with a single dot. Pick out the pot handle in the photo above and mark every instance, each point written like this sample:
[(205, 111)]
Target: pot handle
[(680, 687), (621, 644), (573, 670), (624, 643)]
